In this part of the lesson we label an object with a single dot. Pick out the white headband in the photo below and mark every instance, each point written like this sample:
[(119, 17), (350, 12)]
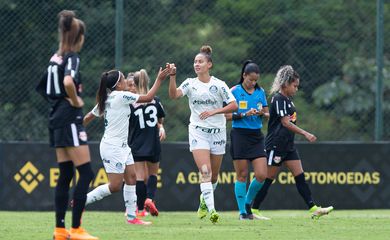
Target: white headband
[(117, 81)]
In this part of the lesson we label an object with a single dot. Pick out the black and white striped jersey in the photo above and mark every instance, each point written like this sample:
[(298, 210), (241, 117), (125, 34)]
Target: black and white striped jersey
[(143, 130), (279, 137)]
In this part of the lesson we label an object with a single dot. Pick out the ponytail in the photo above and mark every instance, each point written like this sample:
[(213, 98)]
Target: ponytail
[(108, 82), (141, 81), (247, 68), (101, 95)]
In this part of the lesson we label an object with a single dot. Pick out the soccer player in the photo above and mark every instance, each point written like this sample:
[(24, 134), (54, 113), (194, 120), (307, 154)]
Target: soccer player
[(207, 128), (113, 103), (282, 127), (247, 140), (145, 133), (61, 87)]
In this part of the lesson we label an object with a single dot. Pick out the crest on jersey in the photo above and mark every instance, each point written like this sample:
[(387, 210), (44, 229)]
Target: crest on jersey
[(213, 89)]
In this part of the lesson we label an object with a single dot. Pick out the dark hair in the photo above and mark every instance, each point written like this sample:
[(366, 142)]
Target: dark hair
[(247, 68), (108, 82), (206, 51), (70, 31)]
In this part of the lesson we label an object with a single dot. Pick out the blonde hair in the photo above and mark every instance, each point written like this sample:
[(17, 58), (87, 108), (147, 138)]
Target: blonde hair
[(141, 80), (70, 32), (285, 75)]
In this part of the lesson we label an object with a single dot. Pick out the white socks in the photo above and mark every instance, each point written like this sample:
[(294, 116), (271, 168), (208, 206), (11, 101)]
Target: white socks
[(130, 198), (208, 195), (98, 194)]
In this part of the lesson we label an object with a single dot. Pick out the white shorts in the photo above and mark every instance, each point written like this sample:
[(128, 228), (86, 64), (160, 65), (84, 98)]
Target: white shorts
[(115, 158), (213, 139)]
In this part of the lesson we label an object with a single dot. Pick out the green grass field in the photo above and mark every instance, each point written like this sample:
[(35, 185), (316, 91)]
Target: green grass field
[(351, 225)]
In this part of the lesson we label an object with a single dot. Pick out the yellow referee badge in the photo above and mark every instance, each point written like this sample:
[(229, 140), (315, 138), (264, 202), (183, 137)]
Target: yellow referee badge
[(243, 104)]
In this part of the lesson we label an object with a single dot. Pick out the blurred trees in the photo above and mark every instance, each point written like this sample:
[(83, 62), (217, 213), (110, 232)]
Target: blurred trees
[(330, 43)]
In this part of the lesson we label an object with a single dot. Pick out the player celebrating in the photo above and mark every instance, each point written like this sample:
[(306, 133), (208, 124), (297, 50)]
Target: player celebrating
[(113, 104), (145, 133), (280, 139), (207, 128)]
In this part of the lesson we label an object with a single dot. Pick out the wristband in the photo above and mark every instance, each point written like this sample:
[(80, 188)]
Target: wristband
[(236, 116)]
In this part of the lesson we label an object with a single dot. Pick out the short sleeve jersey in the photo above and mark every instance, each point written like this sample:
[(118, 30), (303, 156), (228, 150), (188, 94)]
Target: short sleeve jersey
[(116, 117), (247, 101), (143, 130), (206, 97), (61, 112), (279, 137)]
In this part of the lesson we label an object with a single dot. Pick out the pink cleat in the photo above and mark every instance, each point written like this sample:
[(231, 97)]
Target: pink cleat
[(137, 221), (151, 207)]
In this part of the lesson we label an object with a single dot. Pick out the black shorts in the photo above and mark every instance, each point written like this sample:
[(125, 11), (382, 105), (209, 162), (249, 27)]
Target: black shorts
[(152, 159), (72, 135), (247, 144), (276, 158)]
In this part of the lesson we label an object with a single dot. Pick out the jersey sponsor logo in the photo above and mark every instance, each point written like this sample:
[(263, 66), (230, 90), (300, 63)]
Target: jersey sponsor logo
[(243, 104), (293, 117), (213, 89), (225, 93), (185, 85), (129, 98), (222, 142), (205, 102)]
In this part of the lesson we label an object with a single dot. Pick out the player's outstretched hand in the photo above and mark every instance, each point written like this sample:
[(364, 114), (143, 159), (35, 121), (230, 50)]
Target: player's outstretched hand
[(162, 74)]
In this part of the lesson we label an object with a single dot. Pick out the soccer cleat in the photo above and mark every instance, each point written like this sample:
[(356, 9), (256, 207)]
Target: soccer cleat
[(244, 216), (317, 212), (248, 210), (141, 214), (60, 234), (257, 215), (151, 207), (202, 210), (80, 234), (214, 216), (137, 221)]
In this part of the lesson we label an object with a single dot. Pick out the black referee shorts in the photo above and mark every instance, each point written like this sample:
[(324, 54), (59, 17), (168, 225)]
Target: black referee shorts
[(152, 159), (247, 144), (71, 135)]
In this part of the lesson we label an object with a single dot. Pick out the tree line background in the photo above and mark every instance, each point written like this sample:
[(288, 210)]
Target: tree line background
[(330, 43)]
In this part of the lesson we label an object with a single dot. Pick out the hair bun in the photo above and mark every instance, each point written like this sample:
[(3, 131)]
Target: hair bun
[(206, 49), (65, 19)]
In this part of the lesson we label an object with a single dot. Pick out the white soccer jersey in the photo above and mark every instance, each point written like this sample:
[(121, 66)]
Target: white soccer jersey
[(206, 97), (116, 116)]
